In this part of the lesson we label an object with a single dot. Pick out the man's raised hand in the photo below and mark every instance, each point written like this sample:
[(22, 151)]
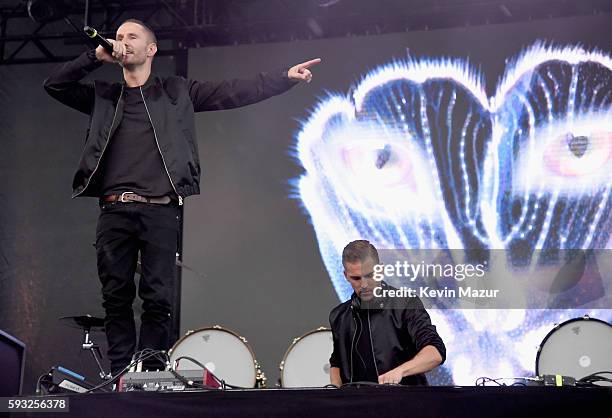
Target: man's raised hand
[(116, 57), (301, 71)]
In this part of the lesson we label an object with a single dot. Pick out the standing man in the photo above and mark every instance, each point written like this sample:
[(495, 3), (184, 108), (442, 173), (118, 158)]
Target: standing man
[(141, 160), (379, 343)]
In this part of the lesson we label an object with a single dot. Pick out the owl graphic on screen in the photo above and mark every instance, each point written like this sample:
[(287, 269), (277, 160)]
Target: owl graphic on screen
[(418, 156)]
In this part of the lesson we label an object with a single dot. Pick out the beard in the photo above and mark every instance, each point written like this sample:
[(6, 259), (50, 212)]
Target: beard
[(133, 60)]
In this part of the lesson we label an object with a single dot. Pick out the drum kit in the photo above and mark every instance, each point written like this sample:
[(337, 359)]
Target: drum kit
[(578, 347), (230, 357)]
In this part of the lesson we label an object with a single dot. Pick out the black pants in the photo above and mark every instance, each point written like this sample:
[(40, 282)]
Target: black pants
[(124, 230)]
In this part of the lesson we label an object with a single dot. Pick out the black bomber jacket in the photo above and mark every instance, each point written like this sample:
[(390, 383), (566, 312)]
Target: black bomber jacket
[(399, 331), (170, 103)]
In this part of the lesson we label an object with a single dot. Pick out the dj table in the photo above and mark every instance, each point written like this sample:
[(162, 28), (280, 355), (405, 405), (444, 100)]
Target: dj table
[(365, 401)]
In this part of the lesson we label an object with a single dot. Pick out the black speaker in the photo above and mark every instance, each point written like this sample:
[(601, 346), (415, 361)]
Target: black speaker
[(12, 362)]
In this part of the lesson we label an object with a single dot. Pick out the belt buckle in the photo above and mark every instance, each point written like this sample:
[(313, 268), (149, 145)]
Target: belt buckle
[(122, 197)]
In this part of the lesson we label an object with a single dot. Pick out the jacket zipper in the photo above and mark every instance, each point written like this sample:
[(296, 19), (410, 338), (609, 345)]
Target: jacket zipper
[(159, 148), (372, 345), (353, 345), (103, 149)]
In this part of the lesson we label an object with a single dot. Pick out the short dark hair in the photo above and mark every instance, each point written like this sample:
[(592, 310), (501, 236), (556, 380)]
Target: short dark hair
[(359, 250), (145, 26)]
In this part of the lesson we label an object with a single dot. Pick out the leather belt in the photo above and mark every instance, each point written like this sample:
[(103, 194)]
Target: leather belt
[(129, 197)]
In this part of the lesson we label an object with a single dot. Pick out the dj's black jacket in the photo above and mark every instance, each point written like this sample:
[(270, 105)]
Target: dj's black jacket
[(399, 331), (170, 103)]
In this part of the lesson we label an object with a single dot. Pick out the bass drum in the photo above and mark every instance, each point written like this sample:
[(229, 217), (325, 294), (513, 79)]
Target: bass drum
[(224, 353), (576, 348), (306, 362)]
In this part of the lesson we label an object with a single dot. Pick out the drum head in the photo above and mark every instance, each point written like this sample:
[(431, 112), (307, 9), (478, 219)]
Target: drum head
[(222, 351), (306, 362), (576, 348)]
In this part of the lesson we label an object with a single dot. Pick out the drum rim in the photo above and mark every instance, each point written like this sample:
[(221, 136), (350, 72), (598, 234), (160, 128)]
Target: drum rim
[(557, 327), (281, 366), (215, 327)]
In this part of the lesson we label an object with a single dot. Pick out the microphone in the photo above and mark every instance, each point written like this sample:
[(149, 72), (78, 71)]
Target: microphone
[(95, 36)]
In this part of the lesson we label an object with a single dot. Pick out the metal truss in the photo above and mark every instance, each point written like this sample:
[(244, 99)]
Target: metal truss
[(183, 24), (23, 41)]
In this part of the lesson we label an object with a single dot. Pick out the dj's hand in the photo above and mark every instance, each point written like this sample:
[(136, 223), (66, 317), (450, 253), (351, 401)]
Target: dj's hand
[(391, 377)]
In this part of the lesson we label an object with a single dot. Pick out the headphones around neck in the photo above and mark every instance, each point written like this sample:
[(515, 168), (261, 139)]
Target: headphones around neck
[(356, 304)]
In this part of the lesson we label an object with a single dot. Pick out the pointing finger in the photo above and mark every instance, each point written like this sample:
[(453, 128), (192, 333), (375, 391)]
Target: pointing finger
[(310, 63)]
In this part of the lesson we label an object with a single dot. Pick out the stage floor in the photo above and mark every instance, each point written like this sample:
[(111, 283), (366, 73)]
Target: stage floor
[(366, 401)]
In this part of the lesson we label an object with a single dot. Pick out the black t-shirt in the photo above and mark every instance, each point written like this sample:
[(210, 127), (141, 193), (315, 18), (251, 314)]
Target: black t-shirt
[(132, 162), (364, 369)]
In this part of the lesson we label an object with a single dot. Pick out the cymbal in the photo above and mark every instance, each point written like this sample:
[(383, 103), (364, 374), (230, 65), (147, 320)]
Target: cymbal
[(86, 322)]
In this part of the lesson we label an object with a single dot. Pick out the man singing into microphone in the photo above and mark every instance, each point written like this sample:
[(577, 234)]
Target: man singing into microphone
[(141, 160), (379, 343)]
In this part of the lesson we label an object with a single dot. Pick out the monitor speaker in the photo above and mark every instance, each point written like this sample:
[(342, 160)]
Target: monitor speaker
[(12, 362)]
